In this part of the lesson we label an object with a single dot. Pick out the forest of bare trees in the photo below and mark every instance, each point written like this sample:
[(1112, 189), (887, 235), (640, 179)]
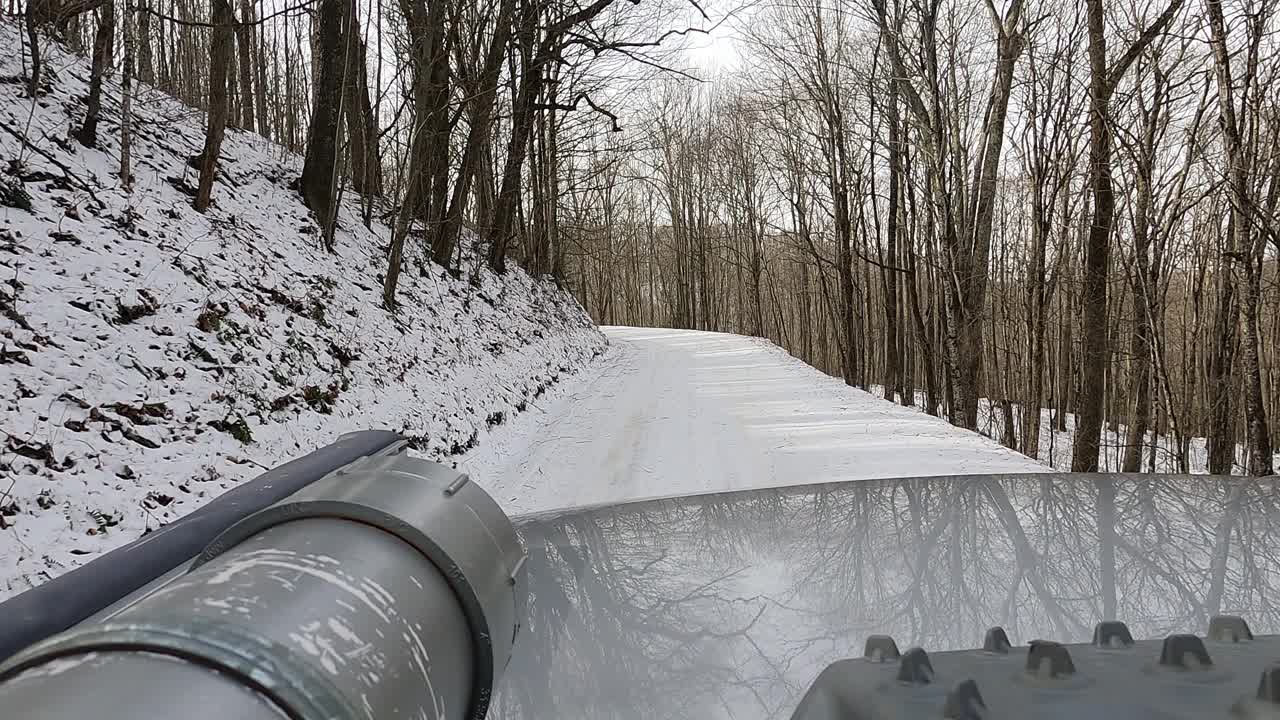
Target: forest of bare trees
[(1041, 209), (998, 211), (437, 114)]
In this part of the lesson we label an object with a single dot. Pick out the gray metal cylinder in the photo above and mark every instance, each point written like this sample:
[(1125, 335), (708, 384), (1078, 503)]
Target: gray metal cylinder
[(389, 590), (105, 685), (120, 576)]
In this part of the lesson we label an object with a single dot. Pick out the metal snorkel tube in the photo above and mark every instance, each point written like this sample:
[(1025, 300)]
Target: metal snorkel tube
[(370, 585)]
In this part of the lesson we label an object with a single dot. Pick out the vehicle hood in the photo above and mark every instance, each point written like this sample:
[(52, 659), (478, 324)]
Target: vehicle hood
[(729, 605)]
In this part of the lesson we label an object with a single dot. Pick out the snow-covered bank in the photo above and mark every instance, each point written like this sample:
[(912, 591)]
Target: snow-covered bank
[(151, 357), (673, 412)]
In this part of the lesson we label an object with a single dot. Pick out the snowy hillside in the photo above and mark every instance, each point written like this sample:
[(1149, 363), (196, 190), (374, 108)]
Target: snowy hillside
[(151, 356)]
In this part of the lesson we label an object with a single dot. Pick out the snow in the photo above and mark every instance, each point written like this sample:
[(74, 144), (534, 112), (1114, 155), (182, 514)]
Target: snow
[(675, 412), (1055, 445), (152, 357)]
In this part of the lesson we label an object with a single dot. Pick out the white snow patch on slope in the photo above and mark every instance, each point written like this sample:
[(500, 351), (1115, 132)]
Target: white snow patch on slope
[(675, 412), (137, 334)]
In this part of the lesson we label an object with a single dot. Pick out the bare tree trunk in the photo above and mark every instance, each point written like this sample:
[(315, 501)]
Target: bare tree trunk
[(892, 369), (1260, 457), (126, 102), (427, 184), (973, 267), (965, 259), (1065, 366), (844, 255), (413, 189), (33, 46), (163, 77), (103, 49), (438, 125), (922, 328), (1097, 251), (1032, 403), (522, 109), (1095, 347), (146, 73), (474, 154), (244, 43), (553, 187), (362, 124), (233, 79), (260, 85), (1008, 432), (1140, 348), (220, 49), (1245, 250), (319, 167)]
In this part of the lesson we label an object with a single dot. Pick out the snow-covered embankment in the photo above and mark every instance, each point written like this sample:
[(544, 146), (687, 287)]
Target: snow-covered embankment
[(151, 356)]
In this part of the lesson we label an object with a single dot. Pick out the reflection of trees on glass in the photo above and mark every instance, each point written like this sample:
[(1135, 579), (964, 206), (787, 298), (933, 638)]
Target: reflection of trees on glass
[(728, 605)]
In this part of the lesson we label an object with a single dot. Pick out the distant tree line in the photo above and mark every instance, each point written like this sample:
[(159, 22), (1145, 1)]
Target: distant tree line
[(1040, 206)]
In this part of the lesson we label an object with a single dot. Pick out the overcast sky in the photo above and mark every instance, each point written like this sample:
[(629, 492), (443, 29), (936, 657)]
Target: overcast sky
[(716, 51)]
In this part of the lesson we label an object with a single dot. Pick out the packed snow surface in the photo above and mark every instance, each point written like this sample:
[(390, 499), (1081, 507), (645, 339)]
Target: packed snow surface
[(674, 412)]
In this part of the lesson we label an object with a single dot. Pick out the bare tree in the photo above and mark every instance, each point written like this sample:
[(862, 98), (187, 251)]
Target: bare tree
[(220, 49), (1245, 246), (319, 182), (428, 183), (481, 93), (1104, 77), (103, 50), (244, 45)]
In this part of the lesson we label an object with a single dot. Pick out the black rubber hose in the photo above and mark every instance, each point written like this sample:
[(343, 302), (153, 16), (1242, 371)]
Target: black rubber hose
[(77, 595)]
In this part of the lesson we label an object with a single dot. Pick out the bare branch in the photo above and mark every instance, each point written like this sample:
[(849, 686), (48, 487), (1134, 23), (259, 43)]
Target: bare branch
[(577, 100), (304, 7), (1121, 66)]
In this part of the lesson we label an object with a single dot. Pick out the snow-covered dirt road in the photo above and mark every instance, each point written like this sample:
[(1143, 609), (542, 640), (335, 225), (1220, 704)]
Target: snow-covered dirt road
[(674, 412)]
